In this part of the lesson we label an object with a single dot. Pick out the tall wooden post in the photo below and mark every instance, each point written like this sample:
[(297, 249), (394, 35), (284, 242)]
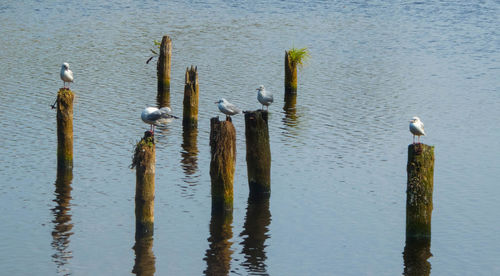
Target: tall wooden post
[(144, 163), (258, 153), (218, 255), (65, 99), (290, 75), (163, 71), (222, 163), (191, 95), (420, 184)]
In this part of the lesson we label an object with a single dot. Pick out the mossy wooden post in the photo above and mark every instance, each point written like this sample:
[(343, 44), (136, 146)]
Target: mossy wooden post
[(420, 184), (290, 75), (218, 255), (144, 163), (163, 71), (190, 113), (258, 153), (222, 162), (65, 99)]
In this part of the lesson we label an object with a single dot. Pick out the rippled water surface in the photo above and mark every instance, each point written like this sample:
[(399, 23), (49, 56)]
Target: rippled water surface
[(338, 158)]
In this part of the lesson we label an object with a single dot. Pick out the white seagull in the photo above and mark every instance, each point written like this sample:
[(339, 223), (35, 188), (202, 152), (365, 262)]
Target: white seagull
[(154, 116), (227, 108), (416, 128), (66, 74), (265, 97)]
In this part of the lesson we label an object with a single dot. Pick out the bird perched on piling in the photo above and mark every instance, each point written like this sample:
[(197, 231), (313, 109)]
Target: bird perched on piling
[(416, 128), (227, 108), (265, 97), (154, 116), (66, 74)]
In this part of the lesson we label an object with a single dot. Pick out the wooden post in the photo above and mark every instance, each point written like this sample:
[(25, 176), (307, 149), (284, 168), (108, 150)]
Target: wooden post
[(218, 255), (62, 218), (190, 114), (290, 75), (163, 71), (190, 150), (65, 99), (416, 254), (222, 163), (144, 163), (257, 220), (420, 184), (258, 153)]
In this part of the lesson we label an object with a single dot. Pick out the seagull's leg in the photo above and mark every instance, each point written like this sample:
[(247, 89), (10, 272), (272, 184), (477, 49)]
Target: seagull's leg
[(413, 139)]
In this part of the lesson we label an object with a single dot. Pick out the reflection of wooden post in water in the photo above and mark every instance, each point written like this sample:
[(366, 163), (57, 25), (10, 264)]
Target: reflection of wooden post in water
[(415, 255), (218, 255), (290, 75), (222, 163), (163, 71), (65, 128), (420, 183), (190, 153), (62, 218), (258, 153), (191, 95), (255, 230), (144, 256), (144, 164)]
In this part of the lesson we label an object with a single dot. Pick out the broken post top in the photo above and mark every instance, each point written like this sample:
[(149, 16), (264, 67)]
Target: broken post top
[(418, 149), (257, 114), (192, 75), (144, 154)]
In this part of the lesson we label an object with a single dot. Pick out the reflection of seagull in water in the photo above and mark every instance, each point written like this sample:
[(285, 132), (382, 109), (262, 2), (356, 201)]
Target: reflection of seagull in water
[(227, 108), (416, 128), (265, 97), (66, 74), (154, 116)]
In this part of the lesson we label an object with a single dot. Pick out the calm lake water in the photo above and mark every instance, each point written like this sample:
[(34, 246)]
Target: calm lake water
[(338, 160)]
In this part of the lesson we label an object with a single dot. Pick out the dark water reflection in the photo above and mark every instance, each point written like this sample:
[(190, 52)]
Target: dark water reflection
[(218, 255), (190, 150), (144, 256), (62, 221), (290, 110), (255, 233), (416, 254)]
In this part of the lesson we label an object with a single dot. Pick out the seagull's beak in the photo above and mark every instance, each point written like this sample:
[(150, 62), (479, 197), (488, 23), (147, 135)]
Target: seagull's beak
[(216, 102)]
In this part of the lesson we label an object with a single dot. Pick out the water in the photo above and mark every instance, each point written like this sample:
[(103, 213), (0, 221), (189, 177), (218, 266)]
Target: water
[(338, 161)]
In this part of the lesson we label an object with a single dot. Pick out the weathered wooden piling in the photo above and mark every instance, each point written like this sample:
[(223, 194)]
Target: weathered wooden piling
[(258, 153), (218, 255), (65, 99), (290, 75), (191, 95), (420, 184), (144, 164), (415, 256), (163, 71), (255, 233), (222, 163)]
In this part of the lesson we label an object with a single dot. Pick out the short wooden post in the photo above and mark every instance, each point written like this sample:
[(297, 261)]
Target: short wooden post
[(163, 71), (218, 255), (415, 256), (257, 220), (144, 164), (190, 113), (290, 75), (190, 149), (420, 184), (258, 153), (65, 99), (62, 218), (222, 163)]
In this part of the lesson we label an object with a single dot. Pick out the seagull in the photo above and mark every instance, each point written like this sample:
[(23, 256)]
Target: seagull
[(227, 108), (264, 97), (66, 74), (416, 128), (153, 116)]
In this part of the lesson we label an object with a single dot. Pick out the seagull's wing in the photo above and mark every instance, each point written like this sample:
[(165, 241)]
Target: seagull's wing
[(155, 115), (232, 108)]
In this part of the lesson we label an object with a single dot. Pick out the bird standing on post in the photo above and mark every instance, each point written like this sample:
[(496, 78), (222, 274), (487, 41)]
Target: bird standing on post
[(265, 97), (66, 74), (227, 108), (416, 128), (153, 116)]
